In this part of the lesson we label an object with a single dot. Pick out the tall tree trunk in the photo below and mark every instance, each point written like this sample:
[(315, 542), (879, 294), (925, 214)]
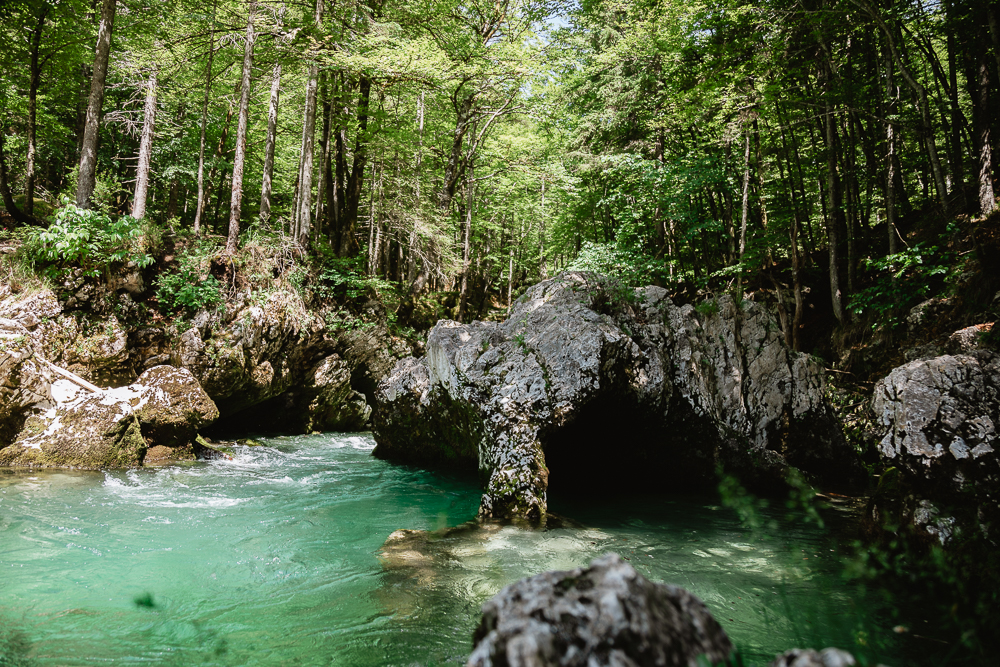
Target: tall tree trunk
[(236, 202), (894, 40), (745, 206), (87, 174), (835, 213), (463, 299), (145, 148), (542, 270), (302, 223), (200, 206), (892, 160), (987, 200), (34, 79), (355, 181), (324, 146), (453, 168), (272, 133)]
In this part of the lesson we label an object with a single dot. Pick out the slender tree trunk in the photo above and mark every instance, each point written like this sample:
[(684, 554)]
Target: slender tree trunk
[(894, 39), (241, 136), (745, 206), (34, 79), (145, 148), (303, 211), (200, 206), (891, 131), (835, 214), (987, 200), (324, 146), (355, 181), (467, 245), (272, 133), (542, 270), (87, 174), (453, 168)]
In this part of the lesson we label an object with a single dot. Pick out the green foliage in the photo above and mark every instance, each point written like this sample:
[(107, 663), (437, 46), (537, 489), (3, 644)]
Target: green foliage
[(87, 239), (902, 280), (190, 286), (345, 277), (630, 267)]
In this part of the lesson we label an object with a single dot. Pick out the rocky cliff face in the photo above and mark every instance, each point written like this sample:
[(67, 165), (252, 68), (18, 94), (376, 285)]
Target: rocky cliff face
[(264, 363), (593, 382)]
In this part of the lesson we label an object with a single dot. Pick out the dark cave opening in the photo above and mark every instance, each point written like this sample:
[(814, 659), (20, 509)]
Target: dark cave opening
[(614, 445)]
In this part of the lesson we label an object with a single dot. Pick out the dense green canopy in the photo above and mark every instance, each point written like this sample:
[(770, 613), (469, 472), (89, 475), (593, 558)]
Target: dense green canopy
[(481, 145)]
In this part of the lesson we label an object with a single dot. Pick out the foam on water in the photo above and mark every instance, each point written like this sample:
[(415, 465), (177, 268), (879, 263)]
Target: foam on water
[(275, 557)]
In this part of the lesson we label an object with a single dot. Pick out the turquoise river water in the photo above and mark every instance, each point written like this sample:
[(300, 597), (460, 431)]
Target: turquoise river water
[(275, 558)]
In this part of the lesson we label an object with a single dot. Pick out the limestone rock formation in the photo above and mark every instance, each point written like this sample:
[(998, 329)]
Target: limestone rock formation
[(939, 418), (266, 361), (585, 377), (24, 380), (605, 614), (113, 428)]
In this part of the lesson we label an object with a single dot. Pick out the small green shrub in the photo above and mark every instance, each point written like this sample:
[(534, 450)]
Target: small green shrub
[(85, 239), (904, 279), (191, 286)]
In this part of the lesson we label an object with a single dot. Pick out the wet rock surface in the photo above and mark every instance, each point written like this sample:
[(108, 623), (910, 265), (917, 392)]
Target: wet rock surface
[(605, 614), (939, 420), (580, 361), (828, 657)]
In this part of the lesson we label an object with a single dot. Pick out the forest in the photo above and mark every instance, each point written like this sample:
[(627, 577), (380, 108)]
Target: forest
[(762, 228), (479, 146)]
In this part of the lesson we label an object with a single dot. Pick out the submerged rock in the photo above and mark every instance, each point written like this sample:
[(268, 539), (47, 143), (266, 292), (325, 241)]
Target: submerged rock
[(592, 382), (114, 428), (828, 657), (605, 614), (939, 418)]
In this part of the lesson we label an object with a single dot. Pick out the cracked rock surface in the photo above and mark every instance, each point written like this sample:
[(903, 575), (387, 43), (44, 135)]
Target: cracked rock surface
[(939, 418), (704, 388), (605, 614)]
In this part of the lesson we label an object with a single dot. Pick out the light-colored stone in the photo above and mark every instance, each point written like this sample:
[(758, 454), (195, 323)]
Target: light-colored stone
[(720, 387), (603, 615)]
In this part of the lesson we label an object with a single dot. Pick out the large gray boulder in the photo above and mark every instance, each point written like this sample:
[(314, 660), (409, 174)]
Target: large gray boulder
[(584, 375), (113, 428), (605, 614), (939, 420)]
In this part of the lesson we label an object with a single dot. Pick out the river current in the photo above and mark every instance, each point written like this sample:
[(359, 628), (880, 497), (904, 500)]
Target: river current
[(275, 558)]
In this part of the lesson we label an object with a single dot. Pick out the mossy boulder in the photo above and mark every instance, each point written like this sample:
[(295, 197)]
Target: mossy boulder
[(115, 428)]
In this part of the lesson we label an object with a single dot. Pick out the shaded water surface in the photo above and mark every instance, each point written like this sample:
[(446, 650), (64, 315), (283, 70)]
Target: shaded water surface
[(273, 558)]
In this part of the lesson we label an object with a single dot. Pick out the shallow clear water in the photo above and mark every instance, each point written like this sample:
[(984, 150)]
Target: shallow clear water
[(275, 558)]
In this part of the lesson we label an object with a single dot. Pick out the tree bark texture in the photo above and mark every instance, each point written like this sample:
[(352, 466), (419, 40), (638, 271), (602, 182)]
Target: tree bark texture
[(145, 148), (236, 200), (87, 174), (34, 79), (272, 132), (199, 208)]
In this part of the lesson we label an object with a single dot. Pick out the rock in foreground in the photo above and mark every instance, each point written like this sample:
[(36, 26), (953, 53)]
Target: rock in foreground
[(606, 614), (591, 382)]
